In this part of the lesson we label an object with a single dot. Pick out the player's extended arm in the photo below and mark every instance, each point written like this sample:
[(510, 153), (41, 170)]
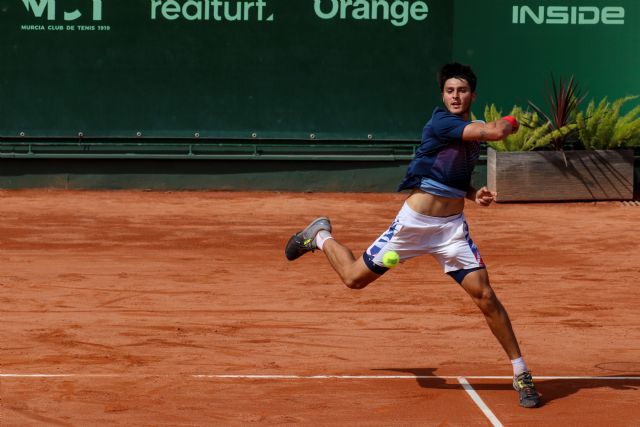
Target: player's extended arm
[(492, 131)]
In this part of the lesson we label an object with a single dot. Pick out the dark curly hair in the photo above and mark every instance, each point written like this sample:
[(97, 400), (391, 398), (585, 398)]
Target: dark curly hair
[(456, 70)]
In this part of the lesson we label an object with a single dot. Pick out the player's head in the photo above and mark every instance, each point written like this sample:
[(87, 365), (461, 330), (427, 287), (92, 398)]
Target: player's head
[(459, 71), (458, 87)]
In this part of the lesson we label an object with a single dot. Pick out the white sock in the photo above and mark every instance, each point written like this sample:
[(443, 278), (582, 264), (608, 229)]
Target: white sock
[(321, 237), (518, 366)]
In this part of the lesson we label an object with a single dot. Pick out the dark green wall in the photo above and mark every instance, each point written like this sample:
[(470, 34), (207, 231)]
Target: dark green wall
[(290, 68), (256, 175), (138, 69)]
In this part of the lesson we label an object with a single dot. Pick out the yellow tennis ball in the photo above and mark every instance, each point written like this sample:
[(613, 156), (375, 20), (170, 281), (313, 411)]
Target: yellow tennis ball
[(390, 259)]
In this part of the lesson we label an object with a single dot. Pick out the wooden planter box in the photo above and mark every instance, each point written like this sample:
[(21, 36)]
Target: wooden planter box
[(544, 176)]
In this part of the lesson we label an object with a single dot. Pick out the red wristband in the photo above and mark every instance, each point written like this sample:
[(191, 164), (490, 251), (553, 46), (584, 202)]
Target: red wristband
[(512, 120)]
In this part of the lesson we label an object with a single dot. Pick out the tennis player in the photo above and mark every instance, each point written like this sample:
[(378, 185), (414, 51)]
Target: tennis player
[(431, 221)]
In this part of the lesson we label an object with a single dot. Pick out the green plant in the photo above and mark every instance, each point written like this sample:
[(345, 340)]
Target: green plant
[(602, 127), (533, 134), (563, 100)]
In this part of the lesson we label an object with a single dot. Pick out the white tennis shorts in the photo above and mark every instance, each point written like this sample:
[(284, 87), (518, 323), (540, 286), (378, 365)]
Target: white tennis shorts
[(412, 234)]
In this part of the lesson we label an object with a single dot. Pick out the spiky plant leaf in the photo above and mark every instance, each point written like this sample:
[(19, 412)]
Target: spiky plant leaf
[(563, 100), (604, 128)]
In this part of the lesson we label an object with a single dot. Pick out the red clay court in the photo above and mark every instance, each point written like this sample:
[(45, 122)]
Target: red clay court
[(180, 309)]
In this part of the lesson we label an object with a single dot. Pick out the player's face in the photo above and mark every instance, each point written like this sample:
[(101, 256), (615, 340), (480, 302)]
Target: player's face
[(457, 96)]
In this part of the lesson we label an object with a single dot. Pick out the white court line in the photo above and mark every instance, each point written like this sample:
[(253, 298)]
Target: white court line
[(401, 377), (462, 380), (478, 401), (311, 377), (67, 375)]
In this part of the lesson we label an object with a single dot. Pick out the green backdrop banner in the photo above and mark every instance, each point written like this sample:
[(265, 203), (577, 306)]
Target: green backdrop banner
[(299, 69), (221, 68), (516, 46)]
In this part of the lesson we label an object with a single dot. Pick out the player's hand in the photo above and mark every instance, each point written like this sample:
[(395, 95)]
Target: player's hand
[(484, 197), (513, 122)]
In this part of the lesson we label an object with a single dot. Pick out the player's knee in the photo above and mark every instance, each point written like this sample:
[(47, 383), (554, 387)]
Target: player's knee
[(355, 282), (487, 300)]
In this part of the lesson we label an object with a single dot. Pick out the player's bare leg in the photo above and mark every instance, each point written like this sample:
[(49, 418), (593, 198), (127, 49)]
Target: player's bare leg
[(317, 235), (353, 271), (477, 286)]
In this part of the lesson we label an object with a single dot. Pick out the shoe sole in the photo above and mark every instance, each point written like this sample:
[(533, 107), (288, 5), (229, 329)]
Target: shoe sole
[(530, 405), (300, 239), (293, 253)]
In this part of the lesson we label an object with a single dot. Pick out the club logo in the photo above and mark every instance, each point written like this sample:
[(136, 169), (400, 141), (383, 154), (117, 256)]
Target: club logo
[(41, 8)]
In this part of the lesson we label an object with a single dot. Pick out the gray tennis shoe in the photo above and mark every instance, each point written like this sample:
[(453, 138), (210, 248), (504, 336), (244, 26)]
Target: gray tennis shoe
[(523, 384), (304, 241)]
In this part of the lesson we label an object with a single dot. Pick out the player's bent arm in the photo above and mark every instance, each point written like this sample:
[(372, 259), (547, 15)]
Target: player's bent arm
[(492, 131)]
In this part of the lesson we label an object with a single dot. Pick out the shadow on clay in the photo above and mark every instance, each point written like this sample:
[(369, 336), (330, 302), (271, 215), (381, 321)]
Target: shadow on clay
[(549, 389)]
